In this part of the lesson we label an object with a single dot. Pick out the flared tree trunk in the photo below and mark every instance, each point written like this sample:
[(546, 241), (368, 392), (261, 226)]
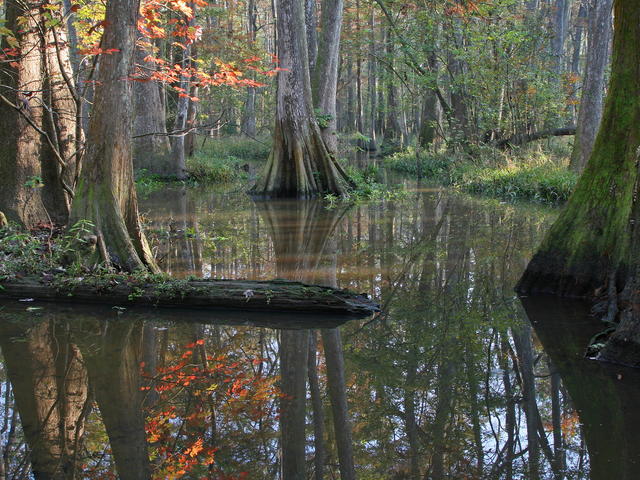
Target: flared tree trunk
[(595, 241), (591, 100), (106, 194), (299, 164)]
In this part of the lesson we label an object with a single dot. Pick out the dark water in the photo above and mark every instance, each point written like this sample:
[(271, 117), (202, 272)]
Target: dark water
[(450, 381)]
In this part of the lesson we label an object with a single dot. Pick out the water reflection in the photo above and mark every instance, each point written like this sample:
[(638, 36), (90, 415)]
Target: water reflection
[(451, 381)]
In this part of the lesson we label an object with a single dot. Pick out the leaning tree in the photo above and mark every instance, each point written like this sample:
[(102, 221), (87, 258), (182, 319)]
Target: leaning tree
[(594, 246), (300, 164), (106, 194)]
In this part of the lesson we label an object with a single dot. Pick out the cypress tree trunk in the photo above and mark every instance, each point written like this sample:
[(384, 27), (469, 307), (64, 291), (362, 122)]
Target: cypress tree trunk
[(595, 241), (151, 148), (248, 126), (299, 164), (32, 176), (50, 386), (106, 193), (325, 79), (593, 85)]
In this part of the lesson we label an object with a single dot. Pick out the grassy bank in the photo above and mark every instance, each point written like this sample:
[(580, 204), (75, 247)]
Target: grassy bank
[(527, 174)]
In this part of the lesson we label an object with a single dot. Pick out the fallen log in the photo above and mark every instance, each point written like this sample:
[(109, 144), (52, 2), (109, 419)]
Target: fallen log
[(521, 139), (263, 296)]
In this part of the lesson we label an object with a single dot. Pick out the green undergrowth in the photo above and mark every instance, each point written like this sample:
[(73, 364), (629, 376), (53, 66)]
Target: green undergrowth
[(227, 159), (369, 186), (523, 175), (50, 257), (216, 161)]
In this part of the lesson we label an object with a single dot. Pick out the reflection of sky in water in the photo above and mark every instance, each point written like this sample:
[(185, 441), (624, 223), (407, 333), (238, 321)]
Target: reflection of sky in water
[(445, 348)]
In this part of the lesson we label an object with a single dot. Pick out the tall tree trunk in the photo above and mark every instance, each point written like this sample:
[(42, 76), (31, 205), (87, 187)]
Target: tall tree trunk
[(50, 387), (106, 193), (325, 74), (248, 126), (25, 197), (591, 100), (560, 27), (64, 126), (334, 358), (372, 83), (318, 411), (151, 148), (182, 112), (192, 116), (299, 164), (294, 348), (113, 361)]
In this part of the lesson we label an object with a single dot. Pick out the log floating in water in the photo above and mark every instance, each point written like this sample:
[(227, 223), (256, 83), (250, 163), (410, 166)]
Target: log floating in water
[(274, 295)]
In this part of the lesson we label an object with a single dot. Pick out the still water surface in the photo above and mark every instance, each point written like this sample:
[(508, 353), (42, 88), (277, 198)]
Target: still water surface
[(449, 381)]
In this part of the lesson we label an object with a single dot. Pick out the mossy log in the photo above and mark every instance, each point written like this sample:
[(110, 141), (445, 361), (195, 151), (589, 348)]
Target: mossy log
[(264, 296)]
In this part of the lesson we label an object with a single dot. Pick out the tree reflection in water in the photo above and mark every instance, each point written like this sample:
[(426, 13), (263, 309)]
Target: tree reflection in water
[(450, 382)]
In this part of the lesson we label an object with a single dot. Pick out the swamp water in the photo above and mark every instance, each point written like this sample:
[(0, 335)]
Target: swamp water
[(450, 381)]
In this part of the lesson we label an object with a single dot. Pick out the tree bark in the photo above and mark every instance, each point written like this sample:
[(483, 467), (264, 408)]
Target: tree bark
[(325, 73), (32, 176), (299, 164), (294, 348), (113, 361), (106, 193), (591, 100), (334, 358), (50, 387), (592, 244), (151, 148)]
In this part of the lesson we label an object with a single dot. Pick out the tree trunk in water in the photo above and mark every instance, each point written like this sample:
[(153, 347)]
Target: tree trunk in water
[(334, 358), (24, 166), (325, 73), (50, 387), (318, 411), (594, 242), (591, 100), (151, 151), (106, 193), (299, 164), (294, 348), (524, 349), (114, 369)]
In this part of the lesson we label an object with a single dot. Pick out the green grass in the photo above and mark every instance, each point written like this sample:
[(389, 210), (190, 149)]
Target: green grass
[(529, 175)]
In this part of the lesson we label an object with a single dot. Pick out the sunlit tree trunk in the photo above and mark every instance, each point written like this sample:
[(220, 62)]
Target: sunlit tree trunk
[(299, 164), (63, 125), (106, 194), (25, 163)]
